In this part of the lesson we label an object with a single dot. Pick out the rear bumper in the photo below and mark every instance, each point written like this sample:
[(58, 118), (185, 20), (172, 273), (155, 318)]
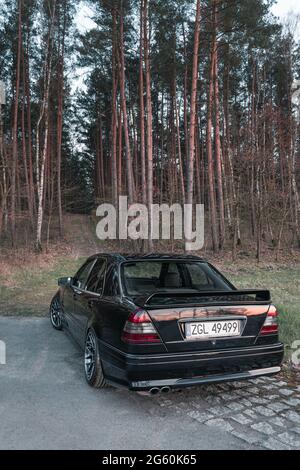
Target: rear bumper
[(142, 372)]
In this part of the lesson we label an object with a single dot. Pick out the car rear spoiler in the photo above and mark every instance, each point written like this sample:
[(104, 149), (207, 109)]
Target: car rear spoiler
[(213, 297)]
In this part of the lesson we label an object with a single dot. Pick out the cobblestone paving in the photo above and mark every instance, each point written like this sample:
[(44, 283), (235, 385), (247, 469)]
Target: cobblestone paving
[(263, 412)]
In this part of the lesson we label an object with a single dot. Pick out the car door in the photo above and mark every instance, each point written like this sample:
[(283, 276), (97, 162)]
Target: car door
[(91, 293), (68, 306), (112, 312), (73, 297)]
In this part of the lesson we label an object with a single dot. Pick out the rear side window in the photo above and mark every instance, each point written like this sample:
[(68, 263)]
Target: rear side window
[(82, 275), (112, 287), (96, 278), (199, 278)]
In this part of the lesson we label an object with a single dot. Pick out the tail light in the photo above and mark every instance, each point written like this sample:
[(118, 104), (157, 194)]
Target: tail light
[(270, 327), (139, 329)]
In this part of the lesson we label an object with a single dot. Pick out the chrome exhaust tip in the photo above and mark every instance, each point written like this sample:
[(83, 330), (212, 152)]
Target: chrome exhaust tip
[(154, 391), (165, 390)]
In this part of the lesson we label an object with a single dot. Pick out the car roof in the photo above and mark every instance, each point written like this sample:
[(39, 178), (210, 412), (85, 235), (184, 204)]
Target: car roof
[(121, 257)]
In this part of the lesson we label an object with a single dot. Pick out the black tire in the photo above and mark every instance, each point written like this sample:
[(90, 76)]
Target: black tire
[(92, 362), (55, 313)]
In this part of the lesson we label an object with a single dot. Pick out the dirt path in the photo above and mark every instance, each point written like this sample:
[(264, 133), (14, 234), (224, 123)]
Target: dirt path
[(80, 233)]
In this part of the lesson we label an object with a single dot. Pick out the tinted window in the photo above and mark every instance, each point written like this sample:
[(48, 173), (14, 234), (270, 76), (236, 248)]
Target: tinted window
[(199, 278), (143, 270), (112, 287), (145, 277), (81, 277), (96, 278)]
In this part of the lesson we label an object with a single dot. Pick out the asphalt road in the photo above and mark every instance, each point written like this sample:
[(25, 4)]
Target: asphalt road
[(45, 402)]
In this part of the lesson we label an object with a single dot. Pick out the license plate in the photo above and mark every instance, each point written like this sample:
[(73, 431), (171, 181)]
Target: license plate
[(212, 329)]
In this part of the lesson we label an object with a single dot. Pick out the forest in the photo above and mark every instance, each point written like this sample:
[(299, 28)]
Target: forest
[(165, 101)]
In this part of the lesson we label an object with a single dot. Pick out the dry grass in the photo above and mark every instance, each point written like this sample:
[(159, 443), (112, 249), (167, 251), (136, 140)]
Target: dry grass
[(284, 284), (27, 288)]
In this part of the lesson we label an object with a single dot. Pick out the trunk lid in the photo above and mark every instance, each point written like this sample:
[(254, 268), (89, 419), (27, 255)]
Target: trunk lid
[(172, 312)]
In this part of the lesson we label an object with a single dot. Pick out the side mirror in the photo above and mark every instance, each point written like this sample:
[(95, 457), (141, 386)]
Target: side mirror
[(65, 281)]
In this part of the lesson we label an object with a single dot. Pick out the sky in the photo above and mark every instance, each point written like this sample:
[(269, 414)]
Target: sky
[(282, 9), (83, 20), (285, 6)]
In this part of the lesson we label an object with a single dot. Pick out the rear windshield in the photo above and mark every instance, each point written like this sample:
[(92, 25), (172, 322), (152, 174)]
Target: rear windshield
[(147, 277)]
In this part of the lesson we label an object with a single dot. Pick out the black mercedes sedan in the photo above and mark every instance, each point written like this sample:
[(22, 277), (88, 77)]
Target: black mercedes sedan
[(157, 322)]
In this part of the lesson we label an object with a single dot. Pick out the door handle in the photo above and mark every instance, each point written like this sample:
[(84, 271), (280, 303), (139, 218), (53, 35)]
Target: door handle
[(76, 293), (91, 303)]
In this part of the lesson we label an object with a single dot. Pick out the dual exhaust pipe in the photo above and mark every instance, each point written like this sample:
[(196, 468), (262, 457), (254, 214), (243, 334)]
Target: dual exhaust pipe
[(157, 390)]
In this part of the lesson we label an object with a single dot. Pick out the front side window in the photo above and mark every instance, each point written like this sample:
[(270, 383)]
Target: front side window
[(82, 275), (147, 277)]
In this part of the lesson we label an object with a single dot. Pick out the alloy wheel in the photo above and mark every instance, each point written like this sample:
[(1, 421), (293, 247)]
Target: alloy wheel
[(90, 355), (55, 314)]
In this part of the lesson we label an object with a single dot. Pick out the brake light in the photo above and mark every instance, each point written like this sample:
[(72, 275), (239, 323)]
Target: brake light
[(270, 327), (139, 329)]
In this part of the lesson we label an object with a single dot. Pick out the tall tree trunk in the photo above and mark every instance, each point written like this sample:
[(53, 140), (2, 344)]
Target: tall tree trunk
[(130, 179), (114, 177), (120, 150), (180, 161), (60, 118), (142, 107), (44, 114), (217, 137), (211, 176), (191, 154), (101, 166), (185, 92), (24, 152), (149, 123), (29, 129), (59, 144), (253, 153), (4, 189), (15, 127)]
